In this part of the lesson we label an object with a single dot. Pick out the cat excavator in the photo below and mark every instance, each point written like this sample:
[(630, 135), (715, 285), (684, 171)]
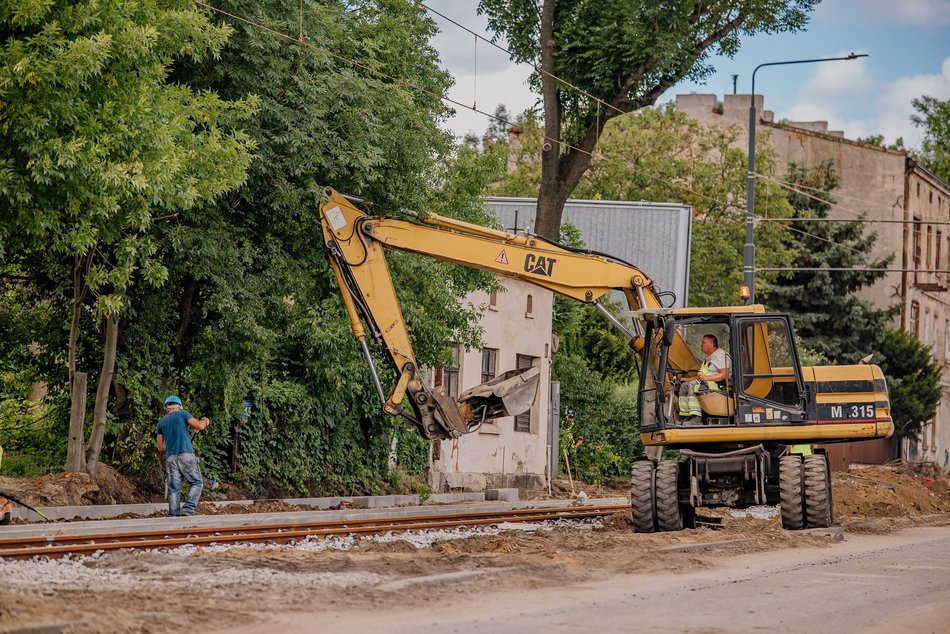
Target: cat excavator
[(737, 454)]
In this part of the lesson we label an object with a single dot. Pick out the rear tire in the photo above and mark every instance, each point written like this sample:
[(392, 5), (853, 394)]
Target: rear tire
[(642, 497), (669, 516), (790, 492), (818, 506)]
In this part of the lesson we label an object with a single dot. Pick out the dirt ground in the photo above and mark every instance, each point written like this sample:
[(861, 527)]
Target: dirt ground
[(217, 589)]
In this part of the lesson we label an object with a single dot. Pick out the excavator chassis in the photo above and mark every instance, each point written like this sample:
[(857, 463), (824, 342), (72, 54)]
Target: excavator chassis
[(666, 494)]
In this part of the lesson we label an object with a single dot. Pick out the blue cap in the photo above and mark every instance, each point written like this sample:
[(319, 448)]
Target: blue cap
[(172, 400)]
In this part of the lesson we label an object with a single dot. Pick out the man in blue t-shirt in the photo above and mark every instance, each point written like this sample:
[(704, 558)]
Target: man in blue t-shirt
[(180, 462)]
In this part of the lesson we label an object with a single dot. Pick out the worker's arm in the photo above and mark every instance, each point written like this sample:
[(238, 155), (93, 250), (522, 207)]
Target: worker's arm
[(718, 376), (199, 424), (160, 441)]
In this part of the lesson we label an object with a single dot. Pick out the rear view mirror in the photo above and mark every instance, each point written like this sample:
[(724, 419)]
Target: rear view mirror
[(668, 331)]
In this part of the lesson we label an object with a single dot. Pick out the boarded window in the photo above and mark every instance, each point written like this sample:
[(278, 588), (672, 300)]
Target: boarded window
[(489, 364), (523, 421)]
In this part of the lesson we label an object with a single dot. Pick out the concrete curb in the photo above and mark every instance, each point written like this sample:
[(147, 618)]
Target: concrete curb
[(98, 512)]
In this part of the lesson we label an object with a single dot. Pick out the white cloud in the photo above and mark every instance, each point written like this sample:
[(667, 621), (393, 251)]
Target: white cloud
[(924, 13), (850, 99)]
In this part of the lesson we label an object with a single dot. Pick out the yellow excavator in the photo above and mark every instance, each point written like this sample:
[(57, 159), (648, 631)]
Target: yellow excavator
[(735, 454)]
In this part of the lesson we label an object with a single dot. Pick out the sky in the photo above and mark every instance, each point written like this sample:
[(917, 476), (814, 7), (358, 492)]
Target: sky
[(908, 43)]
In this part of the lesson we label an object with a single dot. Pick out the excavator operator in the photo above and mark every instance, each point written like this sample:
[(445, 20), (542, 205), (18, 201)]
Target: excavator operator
[(713, 370)]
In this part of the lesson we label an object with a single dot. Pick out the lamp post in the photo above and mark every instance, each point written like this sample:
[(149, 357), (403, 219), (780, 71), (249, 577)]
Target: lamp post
[(748, 268)]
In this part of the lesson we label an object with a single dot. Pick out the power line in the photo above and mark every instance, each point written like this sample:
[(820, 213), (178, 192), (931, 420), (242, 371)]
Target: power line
[(848, 268)]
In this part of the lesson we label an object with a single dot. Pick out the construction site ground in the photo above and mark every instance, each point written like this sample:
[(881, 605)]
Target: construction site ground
[(243, 588)]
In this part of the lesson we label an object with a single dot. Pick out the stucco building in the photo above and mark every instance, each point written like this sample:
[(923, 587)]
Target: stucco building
[(512, 451), (909, 210)]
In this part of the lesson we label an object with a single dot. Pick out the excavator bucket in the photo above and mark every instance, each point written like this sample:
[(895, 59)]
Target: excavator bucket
[(510, 394)]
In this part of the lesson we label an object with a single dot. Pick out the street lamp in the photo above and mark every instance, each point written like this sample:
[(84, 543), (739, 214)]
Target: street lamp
[(748, 268)]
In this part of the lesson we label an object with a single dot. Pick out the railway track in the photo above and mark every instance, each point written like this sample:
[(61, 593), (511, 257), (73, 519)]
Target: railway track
[(59, 545)]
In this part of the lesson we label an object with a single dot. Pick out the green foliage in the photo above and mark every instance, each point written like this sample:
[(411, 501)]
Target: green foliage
[(933, 115), (602, 437), (252, 308), (913, 381), (829, 318), (96, 140)]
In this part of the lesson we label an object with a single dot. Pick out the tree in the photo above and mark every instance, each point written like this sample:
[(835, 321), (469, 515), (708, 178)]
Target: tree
[(98, 144), (829, 317), (913, 381), (934, 117), (623, 53), (662, 155), (251, 307)]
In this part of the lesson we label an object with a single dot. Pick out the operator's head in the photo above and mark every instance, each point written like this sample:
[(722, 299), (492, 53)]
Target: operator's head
[(710, 344), (172, 403)]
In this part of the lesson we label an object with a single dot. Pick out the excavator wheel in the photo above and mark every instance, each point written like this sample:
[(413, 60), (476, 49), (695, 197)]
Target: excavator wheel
[(642, 497), (669, 515), (818, 507), (790, 492)]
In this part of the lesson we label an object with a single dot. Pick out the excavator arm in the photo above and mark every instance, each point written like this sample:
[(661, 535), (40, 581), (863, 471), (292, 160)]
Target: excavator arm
[(356, 243)]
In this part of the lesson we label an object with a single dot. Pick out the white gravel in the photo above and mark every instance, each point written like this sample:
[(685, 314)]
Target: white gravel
[(96, 571), (757, 512)]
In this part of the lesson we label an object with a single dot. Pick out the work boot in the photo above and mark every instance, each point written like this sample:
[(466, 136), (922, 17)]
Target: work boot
[(693, 420)]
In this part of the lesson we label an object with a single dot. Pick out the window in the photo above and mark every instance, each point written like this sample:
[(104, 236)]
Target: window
[(916, 245), (523, 421), (493, 300), (767, 363), (926, 340), (915, 318), (938, 244), (529, 309), (489, 363), (918, 190), (447, 376), (930, 231)]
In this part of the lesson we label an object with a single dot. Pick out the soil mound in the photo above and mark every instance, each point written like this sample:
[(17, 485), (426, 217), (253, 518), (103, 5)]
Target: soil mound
[(73, 489), (890, 491)]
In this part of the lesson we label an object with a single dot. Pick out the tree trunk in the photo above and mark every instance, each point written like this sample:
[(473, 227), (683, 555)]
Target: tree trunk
[(77, 413), (548, 219), (77, 418), (102, 396)]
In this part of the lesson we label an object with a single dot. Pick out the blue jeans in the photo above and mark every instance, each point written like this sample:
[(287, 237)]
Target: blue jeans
[(178, 468)]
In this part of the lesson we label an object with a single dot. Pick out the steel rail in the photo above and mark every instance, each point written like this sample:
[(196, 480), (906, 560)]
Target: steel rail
[(60, 545)]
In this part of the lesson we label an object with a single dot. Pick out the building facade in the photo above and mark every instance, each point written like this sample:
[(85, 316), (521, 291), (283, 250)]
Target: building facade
[(511, 451), (909, 210)]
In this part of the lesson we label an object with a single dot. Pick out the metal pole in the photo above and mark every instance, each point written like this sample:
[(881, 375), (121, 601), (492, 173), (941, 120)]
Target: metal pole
[(748, 265)]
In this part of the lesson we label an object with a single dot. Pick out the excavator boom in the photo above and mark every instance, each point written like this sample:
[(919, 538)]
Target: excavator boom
[(735, 439)]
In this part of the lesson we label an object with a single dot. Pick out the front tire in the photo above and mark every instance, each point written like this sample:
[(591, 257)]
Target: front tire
[(790, 492), (642, 497), (818, 504), (669, 515)]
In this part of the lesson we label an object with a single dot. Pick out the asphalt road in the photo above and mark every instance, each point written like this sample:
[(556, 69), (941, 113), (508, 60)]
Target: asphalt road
[(869, 583)]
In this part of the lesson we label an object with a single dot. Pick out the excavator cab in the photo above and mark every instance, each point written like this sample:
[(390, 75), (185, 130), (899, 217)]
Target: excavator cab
[(763, 385)]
